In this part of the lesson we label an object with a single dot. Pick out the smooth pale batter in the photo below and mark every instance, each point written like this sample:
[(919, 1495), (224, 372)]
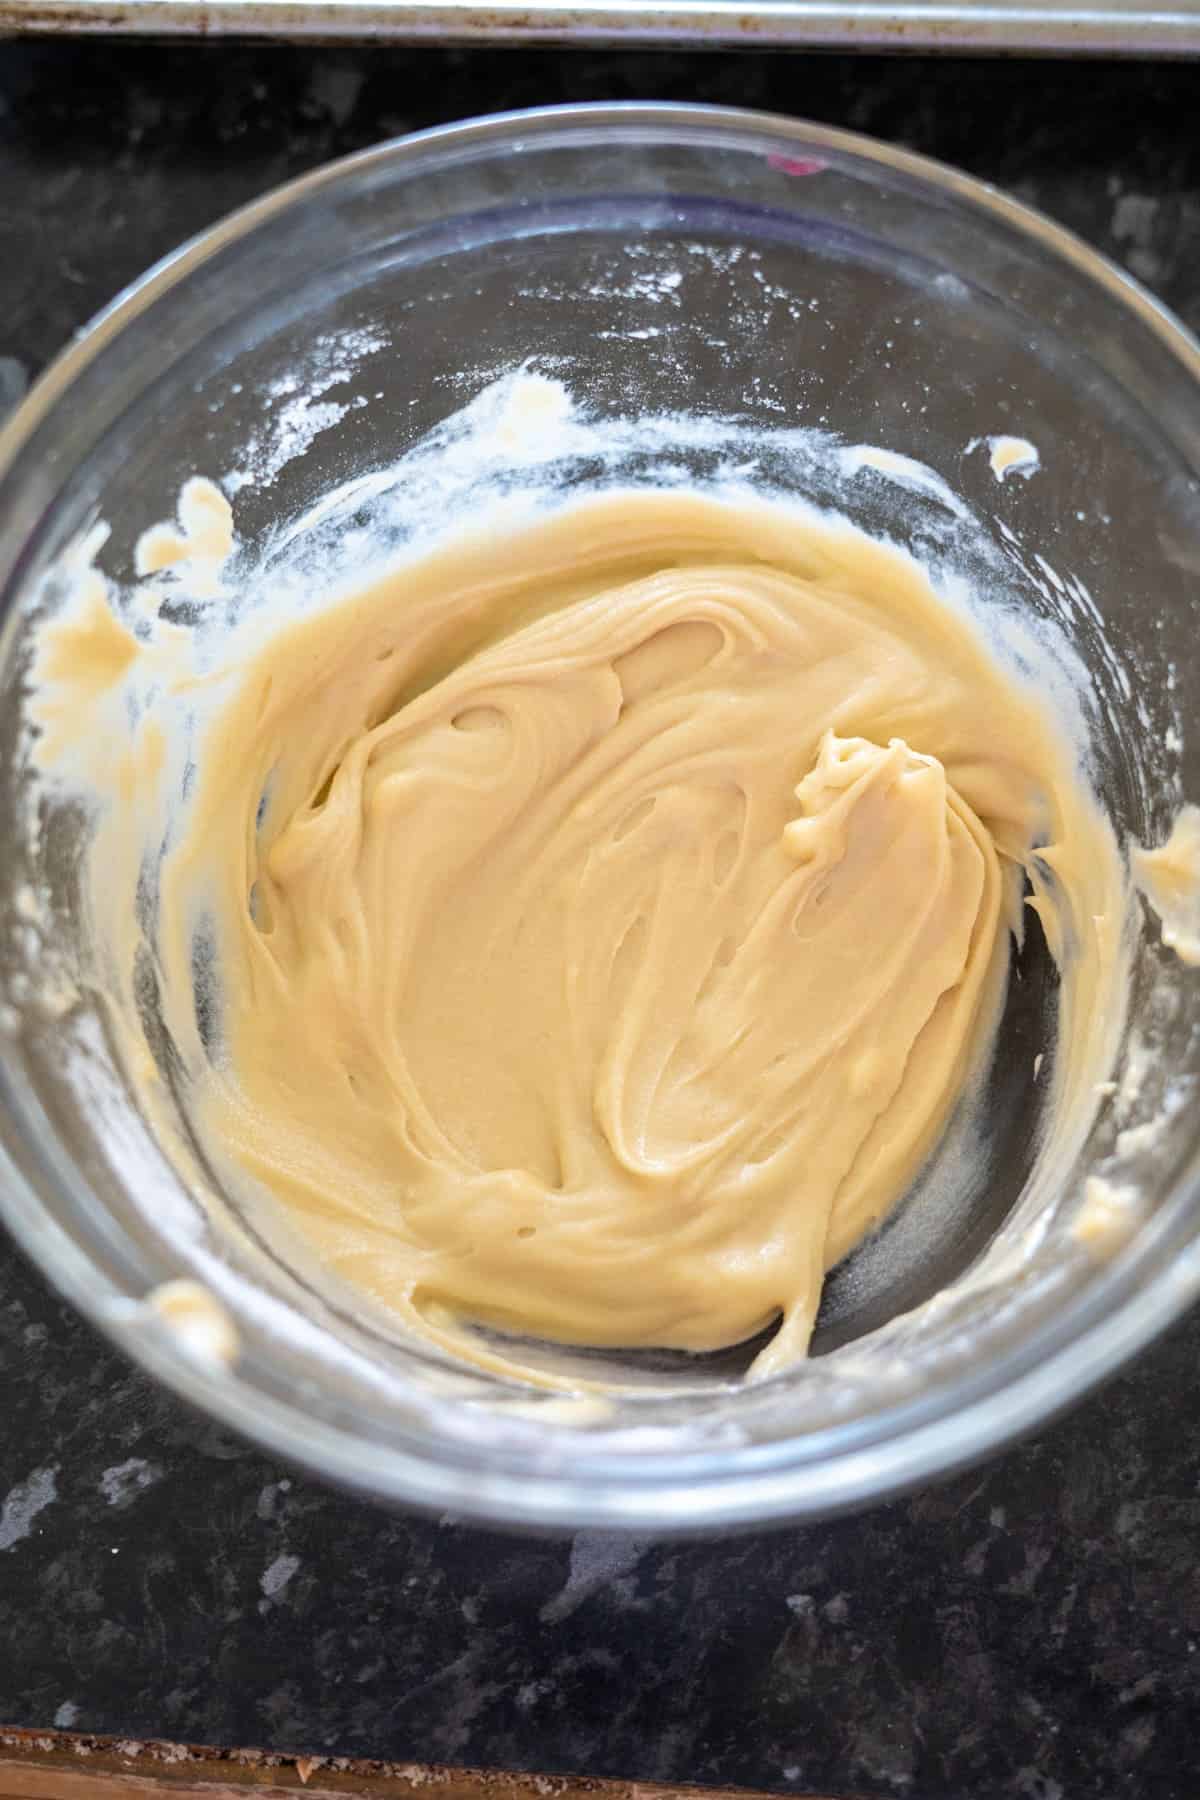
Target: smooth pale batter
[(587, 931)]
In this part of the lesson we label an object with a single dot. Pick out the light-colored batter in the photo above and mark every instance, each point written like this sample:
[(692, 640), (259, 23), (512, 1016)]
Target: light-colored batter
[(1169, 877), (593, 928)]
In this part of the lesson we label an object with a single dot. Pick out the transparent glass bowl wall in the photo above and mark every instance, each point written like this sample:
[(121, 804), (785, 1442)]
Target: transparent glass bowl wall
[(657, 259)]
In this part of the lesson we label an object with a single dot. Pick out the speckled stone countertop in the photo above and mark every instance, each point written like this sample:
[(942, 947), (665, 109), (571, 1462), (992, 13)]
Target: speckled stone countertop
[(1030, 1631)]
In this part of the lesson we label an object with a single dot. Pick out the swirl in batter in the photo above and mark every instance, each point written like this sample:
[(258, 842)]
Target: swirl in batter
[(596, 925)]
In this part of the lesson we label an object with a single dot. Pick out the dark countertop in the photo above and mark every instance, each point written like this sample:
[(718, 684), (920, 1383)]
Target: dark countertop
[(1030, 1630)]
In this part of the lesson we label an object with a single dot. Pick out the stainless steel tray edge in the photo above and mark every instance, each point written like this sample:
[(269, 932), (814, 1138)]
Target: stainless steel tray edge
[(1121, 28)]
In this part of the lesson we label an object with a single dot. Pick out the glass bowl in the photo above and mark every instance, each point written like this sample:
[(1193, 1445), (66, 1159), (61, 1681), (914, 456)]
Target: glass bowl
[(686, 262)]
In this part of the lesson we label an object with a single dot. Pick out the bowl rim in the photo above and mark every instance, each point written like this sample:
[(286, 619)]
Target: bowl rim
[(1143, 1290)]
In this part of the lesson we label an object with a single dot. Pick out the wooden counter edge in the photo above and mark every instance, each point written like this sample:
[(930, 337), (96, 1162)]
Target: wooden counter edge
[(65, 1765)]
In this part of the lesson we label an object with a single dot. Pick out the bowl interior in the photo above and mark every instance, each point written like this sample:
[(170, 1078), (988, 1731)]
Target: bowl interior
[(804, 295)]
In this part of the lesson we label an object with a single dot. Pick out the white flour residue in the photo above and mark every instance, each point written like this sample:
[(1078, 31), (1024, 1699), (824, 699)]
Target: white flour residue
[(657, 286), (1091, 683), (658, 279), (300, 413), (722, 257), (525, 440)]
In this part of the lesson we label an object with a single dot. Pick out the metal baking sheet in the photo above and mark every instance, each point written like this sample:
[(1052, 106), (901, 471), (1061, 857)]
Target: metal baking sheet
[(1108, 27)]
